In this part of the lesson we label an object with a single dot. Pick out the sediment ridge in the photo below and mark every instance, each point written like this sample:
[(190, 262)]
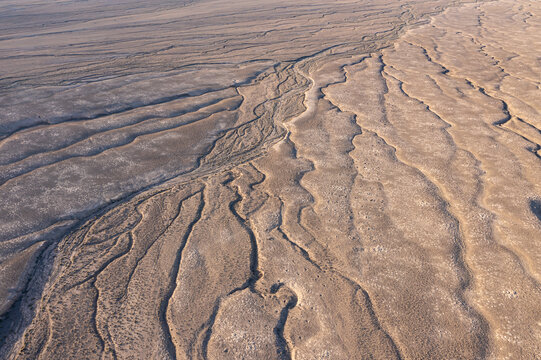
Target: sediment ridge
[(333, 181)]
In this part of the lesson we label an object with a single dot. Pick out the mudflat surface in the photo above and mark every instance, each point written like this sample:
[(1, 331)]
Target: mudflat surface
[(266, 180)]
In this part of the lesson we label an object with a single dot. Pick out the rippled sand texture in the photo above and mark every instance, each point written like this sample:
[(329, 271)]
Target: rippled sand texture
[(325, 182)]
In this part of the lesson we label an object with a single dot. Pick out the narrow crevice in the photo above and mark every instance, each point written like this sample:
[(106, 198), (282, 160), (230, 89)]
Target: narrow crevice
[(535, 207), (283, 348), (255, 274), (208, 332), (174, 273)]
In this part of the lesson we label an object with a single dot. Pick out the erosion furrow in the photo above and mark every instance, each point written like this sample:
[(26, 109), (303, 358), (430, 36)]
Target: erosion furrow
[(174, 278), (262, 180)]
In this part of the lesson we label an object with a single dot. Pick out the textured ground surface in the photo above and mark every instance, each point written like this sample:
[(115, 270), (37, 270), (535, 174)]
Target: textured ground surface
[(324, 180)]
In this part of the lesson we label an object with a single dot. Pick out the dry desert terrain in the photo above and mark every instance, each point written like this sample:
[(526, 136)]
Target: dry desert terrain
[(263, 179)]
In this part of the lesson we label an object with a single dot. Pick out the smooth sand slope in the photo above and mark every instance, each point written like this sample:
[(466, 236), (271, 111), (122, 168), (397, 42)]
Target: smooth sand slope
[(319, 181)]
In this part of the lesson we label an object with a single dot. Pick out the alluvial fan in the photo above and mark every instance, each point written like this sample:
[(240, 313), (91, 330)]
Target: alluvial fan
[(268, 180)]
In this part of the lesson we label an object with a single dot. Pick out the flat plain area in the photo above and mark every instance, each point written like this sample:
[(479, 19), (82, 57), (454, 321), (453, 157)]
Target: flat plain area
[(268, 180)]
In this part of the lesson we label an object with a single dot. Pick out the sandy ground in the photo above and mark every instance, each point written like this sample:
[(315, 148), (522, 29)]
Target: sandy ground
[(258, 180)]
